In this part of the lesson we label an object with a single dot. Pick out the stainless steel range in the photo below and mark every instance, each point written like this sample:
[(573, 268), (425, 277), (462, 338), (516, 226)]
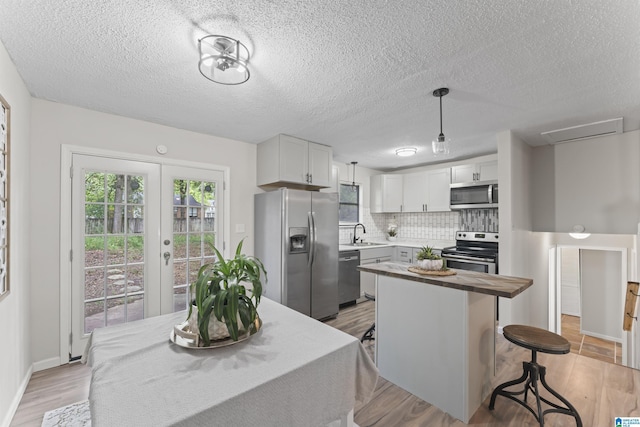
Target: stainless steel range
[(475, 251)]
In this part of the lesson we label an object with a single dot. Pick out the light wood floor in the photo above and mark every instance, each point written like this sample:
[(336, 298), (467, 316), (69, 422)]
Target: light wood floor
[(599, 390), (588, 346)]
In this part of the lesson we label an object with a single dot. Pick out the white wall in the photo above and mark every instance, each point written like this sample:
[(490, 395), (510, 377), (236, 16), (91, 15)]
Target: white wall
[(522, 252), (593, 182), (56, 124), (570, 281), (15, 308)]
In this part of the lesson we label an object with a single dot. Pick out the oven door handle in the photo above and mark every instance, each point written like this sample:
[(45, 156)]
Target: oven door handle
[(471, 259)]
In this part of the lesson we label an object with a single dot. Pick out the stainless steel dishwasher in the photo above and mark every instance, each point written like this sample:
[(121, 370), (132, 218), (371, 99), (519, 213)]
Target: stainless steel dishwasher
[(348, 277)]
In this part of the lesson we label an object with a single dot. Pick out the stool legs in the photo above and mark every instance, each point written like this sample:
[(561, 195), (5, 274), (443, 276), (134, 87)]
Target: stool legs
[(368, 335), (532, 371)]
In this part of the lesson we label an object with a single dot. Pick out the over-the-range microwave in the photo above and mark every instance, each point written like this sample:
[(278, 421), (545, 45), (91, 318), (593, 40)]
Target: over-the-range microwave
[(474, 195)]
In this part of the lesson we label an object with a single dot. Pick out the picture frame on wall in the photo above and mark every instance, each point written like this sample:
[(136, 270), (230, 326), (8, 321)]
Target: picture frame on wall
[(5, 138)]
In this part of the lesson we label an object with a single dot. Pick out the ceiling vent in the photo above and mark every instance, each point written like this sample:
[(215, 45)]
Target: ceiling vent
[(591, 130)]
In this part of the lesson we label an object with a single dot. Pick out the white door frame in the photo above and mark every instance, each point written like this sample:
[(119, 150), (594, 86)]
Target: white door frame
[(555, 287), (66, 156)]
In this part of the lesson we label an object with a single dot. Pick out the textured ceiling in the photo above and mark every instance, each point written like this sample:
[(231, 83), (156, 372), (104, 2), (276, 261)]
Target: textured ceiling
[(354, 74)]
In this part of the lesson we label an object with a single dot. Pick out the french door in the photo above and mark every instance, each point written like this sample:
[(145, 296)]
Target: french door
[(140, 232)]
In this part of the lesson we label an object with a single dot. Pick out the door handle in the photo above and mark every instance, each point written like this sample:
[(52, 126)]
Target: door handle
[(166, 255)]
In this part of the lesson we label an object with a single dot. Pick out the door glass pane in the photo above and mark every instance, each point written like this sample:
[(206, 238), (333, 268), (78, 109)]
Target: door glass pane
[(194, 230), (94, 315), (114, 249), (135, 246)]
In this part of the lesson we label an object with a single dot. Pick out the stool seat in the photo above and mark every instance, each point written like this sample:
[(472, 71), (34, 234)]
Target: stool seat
[(536, 339)]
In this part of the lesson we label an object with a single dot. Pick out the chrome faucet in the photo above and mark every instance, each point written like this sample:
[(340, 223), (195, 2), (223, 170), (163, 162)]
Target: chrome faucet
[(364, 230)]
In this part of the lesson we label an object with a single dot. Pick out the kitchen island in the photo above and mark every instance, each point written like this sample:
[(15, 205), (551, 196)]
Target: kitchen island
[(435, 335)]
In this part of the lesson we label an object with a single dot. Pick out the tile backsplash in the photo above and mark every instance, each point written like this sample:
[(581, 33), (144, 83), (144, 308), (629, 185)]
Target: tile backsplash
[(411, 226), (479, 220), (423, 225)]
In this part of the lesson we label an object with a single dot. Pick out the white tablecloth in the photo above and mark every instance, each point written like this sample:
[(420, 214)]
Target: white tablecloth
[(295, 371)]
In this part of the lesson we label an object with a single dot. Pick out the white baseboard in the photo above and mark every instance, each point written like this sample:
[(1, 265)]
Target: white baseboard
[(500, 330), (601, 336), (17, 398), (46, 364)]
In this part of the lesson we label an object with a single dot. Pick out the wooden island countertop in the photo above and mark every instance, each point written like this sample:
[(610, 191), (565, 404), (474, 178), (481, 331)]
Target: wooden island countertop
[(472, 281)]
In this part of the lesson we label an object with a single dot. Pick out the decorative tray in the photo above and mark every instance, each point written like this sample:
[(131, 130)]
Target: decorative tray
[(424, 272), (182, 336)]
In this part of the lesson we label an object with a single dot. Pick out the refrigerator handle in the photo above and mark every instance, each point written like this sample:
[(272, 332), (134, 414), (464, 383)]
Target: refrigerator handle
[(312, 237)]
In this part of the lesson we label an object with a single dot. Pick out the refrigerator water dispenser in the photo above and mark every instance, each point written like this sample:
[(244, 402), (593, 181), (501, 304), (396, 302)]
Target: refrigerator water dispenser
[(298, 240)]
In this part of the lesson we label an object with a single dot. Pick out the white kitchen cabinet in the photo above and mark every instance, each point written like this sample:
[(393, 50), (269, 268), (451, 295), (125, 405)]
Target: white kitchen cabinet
[(335, 181), (477, 171), (415, 192), (385, 193), (426, 191), (404, 254), (372, 256), (285, 159), (438, 199)]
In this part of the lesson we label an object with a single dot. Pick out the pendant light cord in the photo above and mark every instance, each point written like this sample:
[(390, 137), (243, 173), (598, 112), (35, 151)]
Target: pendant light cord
[(353, 182), (441, 134)]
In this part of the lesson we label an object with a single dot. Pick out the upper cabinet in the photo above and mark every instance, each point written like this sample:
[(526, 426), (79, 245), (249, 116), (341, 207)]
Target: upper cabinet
[(426, 191), (415, 192), (385, 193), (472, 172), (438, 197), (293, 162)]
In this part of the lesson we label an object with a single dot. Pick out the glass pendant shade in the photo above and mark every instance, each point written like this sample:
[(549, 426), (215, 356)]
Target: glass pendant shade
[(440, 146), (223, 60)]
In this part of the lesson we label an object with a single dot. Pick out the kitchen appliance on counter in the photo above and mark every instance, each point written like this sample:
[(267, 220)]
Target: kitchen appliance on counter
[(474, 250), (474, 195), (348, 277), (296, 237)]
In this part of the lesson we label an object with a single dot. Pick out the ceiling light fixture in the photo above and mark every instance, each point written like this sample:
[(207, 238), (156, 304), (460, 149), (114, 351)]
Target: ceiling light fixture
[(440, 145), (223, 60), (406, 151), (578, 232)]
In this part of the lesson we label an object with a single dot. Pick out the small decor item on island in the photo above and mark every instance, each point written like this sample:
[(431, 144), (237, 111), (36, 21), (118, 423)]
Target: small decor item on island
[(427, 259), (392, 233), (222, 309)]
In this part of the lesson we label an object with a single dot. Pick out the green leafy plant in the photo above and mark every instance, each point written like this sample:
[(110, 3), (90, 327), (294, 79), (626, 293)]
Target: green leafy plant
[(392, 232), (426, 252), (219, 290)]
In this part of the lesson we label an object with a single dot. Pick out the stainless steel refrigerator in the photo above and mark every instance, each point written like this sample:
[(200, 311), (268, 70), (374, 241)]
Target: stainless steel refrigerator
[(296, 237)]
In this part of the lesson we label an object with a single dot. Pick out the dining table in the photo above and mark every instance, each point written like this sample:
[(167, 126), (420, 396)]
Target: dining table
[(295, 371)]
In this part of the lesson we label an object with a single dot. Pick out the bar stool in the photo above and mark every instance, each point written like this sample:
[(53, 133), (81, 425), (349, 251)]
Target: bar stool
[(368, 335), (535, 339)]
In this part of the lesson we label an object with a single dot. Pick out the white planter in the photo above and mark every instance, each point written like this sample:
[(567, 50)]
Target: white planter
[(430, 264), (391, 238), (217, 329)]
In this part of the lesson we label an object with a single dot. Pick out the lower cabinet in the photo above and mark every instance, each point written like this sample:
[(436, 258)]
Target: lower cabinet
[(372, 256), (404, 254)]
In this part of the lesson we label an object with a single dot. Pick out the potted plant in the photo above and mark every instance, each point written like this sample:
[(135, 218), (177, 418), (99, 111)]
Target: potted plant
[(222, 305), (392, 233), (429, 260)]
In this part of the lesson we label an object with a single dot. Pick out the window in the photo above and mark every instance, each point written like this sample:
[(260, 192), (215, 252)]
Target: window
[(349, 203)]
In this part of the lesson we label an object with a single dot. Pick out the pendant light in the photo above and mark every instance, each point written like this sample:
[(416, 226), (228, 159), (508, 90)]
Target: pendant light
[(440, 145), (353, 182)]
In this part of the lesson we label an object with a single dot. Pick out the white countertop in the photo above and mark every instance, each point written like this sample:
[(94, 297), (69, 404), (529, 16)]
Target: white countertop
[(436, 244)]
